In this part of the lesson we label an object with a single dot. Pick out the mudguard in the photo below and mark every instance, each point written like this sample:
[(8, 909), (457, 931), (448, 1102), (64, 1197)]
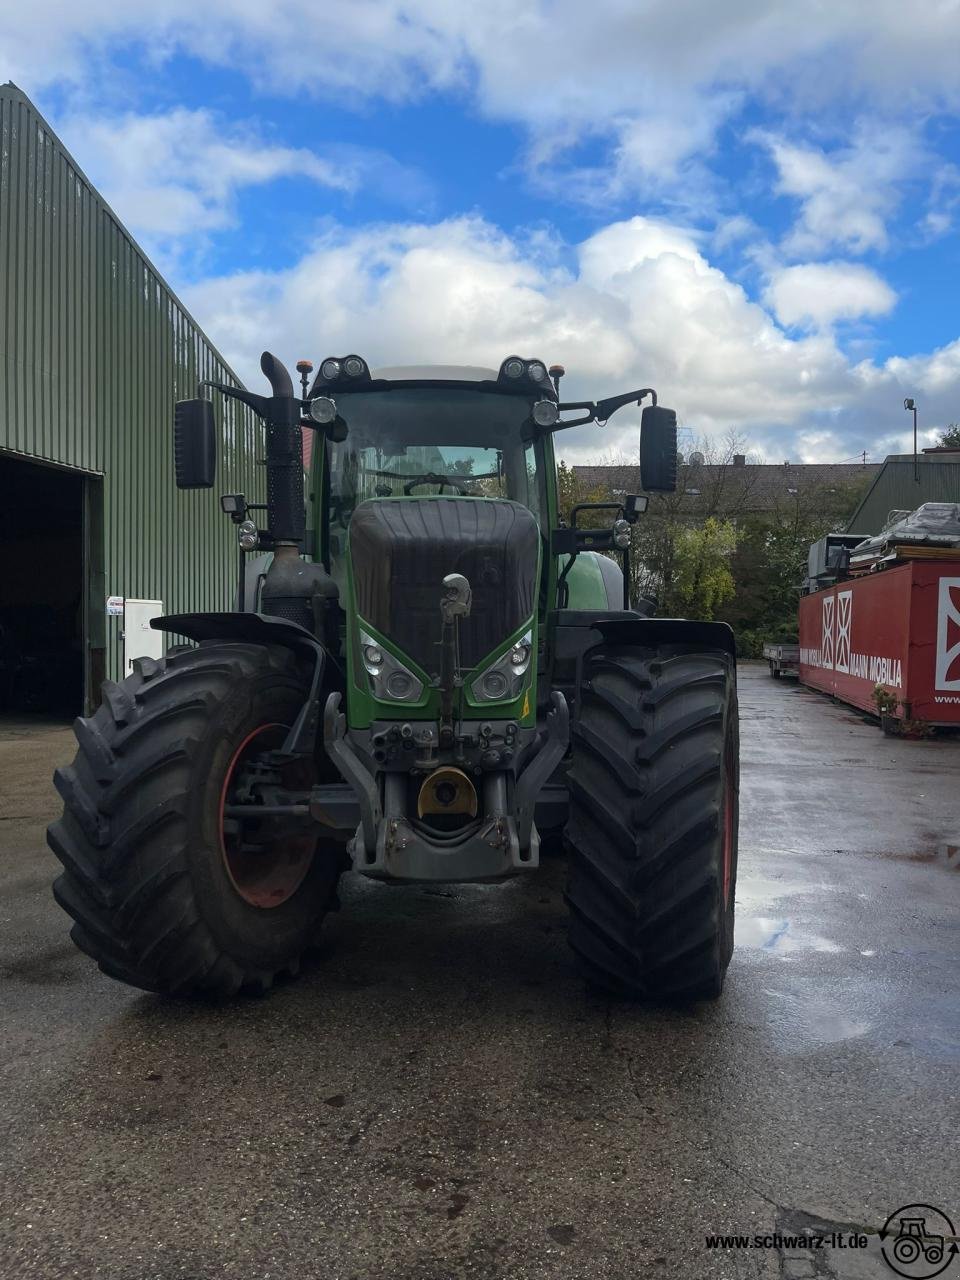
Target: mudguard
[(575, 631), (259, 628), (628, 629), (254, 628)]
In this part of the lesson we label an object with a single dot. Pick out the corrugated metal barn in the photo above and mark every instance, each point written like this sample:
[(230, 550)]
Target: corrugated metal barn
[(896, 487), (95, 351)]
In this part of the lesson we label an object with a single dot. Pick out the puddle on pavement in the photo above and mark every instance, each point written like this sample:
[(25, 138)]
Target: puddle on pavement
[(754, 891), (779, 936), (798, 1024)]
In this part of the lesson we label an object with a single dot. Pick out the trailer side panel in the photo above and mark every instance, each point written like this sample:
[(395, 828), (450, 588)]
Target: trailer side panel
[(899, 628)]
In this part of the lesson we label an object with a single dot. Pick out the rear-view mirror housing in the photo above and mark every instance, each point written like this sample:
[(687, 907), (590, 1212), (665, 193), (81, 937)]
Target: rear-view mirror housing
[(658, 449), (194, 444)]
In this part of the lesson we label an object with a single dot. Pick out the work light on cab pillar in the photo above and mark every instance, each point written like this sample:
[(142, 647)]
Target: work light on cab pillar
[(425, 673)]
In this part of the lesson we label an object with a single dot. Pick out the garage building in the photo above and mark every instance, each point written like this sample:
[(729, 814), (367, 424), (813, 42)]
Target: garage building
[(903, 483), (95, 349)]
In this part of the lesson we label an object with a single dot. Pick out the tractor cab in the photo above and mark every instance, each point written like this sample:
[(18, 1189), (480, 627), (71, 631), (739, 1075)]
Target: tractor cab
[(425, 432)]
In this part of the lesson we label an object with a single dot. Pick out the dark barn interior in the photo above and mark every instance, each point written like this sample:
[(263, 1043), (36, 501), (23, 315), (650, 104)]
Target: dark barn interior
[(41, 589)]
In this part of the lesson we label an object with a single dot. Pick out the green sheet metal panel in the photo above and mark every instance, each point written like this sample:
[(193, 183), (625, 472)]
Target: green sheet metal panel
[(896, 488), (94, 351)]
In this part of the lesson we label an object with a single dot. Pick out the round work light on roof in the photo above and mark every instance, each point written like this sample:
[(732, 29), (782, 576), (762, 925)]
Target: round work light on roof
[(329, 370), (546, 413), (537, 371), (353, 366), (513, 368), (323, 410)]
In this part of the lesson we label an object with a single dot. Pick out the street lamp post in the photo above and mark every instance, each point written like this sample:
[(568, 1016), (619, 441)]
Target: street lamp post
[(911, 406)]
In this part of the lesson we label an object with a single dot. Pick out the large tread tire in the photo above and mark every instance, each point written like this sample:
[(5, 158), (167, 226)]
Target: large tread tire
[(652, 827), (144, 877)]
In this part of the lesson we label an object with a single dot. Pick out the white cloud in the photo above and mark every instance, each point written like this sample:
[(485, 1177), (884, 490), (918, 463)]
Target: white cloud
[(178, 173), (656, 81), (846, 195), (817, 294), (642, 306)]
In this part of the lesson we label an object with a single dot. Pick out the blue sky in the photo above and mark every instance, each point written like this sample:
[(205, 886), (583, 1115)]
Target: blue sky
[(754, 207)]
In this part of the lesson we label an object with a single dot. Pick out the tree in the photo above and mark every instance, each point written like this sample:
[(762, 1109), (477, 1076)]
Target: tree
[(950, 436), (700, 578), (770, 561), (759, 539)]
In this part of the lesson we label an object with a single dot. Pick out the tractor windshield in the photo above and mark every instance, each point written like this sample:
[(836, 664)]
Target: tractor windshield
[(416, 441)]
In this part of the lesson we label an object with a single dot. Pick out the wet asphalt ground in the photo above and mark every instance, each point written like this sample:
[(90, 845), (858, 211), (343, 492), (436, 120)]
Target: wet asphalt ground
[(439, 1096)]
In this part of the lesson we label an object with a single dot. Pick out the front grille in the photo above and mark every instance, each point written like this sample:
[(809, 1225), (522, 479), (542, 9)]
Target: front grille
[(401, 550)]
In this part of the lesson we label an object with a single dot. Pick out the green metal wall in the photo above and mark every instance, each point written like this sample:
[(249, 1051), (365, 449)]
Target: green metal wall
[(94, 351), (895, 488)]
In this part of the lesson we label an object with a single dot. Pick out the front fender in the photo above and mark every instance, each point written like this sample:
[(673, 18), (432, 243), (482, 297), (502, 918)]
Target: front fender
[(258, 628), (631, 630), (250, 628)]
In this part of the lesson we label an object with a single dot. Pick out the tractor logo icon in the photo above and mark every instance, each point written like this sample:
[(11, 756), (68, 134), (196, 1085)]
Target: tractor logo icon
[(918, 1241)]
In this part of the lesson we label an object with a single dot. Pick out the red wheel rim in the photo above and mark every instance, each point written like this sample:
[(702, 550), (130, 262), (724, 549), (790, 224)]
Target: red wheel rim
[(266, 864)]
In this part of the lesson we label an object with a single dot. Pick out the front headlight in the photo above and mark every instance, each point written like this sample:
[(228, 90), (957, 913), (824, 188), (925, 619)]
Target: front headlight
[(389, 678), (503, 679)]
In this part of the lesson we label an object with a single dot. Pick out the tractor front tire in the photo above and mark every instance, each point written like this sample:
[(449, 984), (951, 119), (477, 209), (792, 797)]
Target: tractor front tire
[(162, 897), (652, 827)]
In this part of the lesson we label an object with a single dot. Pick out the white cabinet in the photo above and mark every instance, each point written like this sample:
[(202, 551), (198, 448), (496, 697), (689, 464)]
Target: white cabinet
[(139, 638)]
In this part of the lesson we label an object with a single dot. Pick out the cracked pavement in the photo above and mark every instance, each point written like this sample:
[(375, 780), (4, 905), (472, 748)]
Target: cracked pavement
[(439, 1096)]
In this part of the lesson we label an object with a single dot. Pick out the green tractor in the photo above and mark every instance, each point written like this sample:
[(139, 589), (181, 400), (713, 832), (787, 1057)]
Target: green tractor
[(427, 672)]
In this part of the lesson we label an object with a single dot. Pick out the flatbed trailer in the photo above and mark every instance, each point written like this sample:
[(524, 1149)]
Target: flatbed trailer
[(783, 659), (888, 641)]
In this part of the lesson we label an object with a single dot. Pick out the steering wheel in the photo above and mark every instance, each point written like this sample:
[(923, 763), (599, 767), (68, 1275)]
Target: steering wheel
[(431, 478)]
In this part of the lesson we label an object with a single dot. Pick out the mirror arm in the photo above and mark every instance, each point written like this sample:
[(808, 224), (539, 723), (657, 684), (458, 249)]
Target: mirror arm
[(279, 410), (589, 416), (601, 411), (607, 408)]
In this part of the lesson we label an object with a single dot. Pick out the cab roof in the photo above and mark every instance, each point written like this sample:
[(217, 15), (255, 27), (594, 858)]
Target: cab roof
[(434, 373)]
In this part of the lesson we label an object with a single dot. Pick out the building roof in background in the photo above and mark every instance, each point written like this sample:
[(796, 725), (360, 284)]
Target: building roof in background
[(895, 489), (732, 489)]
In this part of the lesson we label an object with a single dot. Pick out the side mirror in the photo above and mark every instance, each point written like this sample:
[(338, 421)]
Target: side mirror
[(194, 444), (658, 449)]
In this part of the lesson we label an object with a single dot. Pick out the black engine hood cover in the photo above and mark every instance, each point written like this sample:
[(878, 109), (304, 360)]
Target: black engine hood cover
[(402, 549)]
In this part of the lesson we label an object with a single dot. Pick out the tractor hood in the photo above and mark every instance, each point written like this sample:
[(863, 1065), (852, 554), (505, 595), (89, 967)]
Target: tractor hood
[(401, 549)]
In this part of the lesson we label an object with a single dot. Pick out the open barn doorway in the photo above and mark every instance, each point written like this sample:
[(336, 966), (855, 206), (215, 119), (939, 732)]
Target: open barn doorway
[(42, 589)]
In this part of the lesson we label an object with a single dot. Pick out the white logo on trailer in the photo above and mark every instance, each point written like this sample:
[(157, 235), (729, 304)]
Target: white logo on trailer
[(844, 618), (948, 655), (826, 639)]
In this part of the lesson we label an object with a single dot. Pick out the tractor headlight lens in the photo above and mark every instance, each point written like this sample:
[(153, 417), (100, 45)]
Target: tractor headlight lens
[(621, 534), (323, 410), (330, 370), (537, 371), (353, 366), (546, 413), (399, 685), (503, 680), (513, 368), (494, 685), (248, 535), (520, 655), (389, 678)]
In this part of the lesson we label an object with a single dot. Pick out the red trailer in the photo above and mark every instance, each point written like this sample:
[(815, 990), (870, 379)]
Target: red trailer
[(898, 628)]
